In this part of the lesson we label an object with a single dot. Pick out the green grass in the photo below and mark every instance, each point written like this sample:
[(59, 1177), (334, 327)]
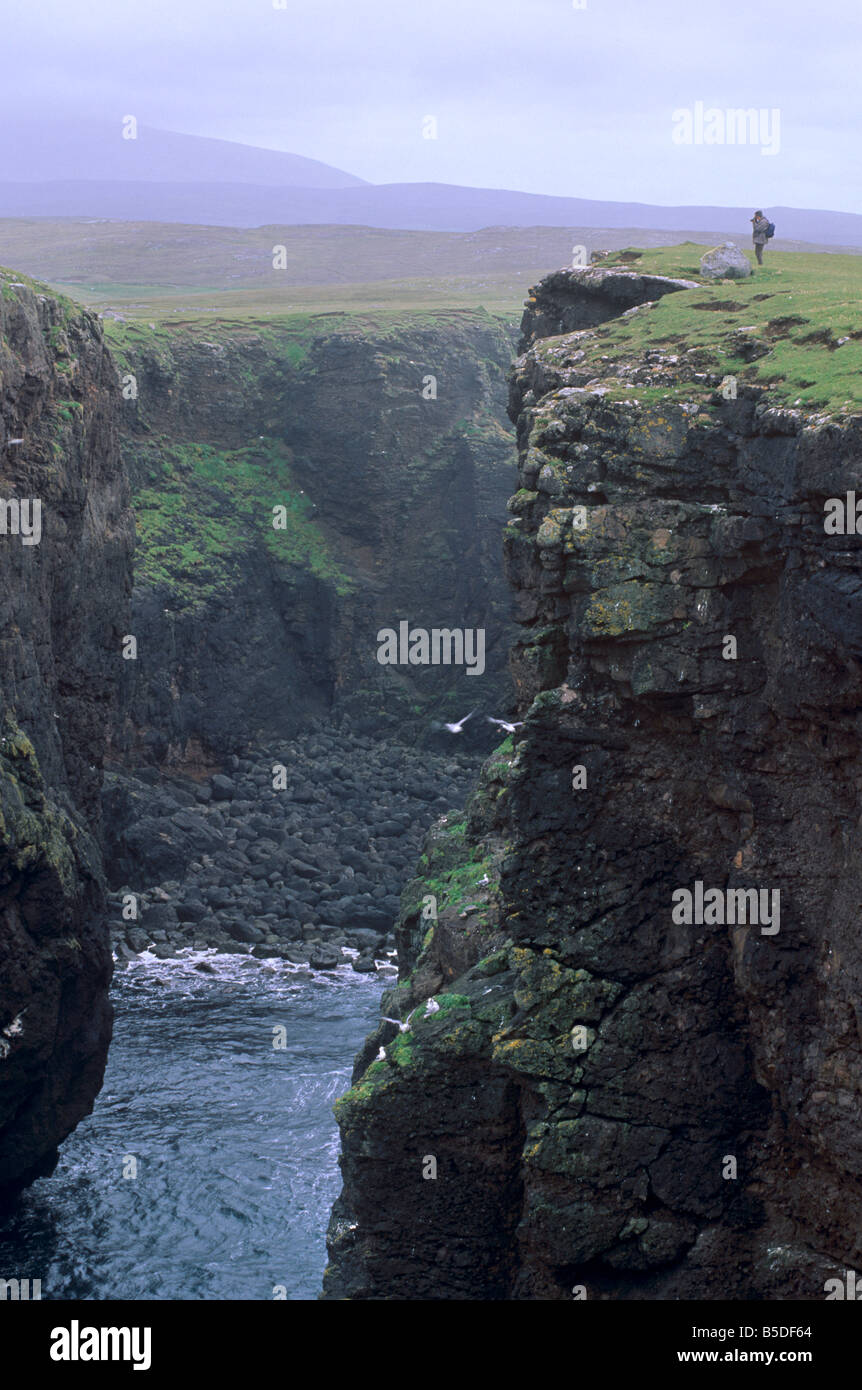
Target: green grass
[(363, 280), (453, 870), (498, 763), (795, 308), (459, 870), (446, 1003)]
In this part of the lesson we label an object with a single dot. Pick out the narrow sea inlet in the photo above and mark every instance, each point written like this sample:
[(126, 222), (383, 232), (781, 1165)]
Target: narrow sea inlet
[(234, 1141)]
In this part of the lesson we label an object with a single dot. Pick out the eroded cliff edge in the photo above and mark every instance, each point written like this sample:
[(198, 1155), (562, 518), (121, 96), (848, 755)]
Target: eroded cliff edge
[(588, 1066), (63, 610)]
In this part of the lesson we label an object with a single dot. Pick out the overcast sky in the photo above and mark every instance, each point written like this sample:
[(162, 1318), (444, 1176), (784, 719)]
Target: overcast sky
[(527, 94)]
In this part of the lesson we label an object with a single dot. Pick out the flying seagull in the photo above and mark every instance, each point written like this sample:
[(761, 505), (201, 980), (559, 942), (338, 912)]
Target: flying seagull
[(504, 724), (399, 1024), (456, 728)]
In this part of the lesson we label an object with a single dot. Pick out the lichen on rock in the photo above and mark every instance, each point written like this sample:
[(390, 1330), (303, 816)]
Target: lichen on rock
[(585, 1112), (63, 610)]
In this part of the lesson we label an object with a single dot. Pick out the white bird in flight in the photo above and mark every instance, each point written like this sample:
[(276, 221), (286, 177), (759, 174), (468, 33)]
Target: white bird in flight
[(399, 1023), (504, 724), (403, 1026), (456, 728)]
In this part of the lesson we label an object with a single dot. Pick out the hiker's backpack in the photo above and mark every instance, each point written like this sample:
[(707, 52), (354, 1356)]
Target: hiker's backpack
[(770, 229)]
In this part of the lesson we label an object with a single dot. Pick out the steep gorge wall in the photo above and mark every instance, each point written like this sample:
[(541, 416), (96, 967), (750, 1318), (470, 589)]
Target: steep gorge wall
[(592, 1065), (63, 611), (394, 500)]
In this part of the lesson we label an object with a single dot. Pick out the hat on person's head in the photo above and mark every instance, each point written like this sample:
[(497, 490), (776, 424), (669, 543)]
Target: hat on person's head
[(759, 213)]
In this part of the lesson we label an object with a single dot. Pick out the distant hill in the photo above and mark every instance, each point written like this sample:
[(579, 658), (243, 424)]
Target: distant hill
[(408, 206), (60, 157), (87, 169)]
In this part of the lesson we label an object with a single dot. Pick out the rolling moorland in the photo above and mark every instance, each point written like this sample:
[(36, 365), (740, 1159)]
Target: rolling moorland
[(147, 270)]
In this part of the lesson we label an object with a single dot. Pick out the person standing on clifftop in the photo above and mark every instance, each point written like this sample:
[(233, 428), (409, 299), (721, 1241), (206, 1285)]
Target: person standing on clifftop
[(759, 234)]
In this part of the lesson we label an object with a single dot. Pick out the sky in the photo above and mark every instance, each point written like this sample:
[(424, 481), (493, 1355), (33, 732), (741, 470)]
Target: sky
[(537, 95)]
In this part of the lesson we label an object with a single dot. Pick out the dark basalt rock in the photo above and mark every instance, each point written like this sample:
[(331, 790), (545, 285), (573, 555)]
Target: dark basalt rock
[(277, 880), (568, 300), (613, 1099), (364, 965), (325, 958), (63, 612)]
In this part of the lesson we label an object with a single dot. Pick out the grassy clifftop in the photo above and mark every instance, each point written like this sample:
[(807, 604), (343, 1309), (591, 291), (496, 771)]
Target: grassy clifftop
[(794, 326)]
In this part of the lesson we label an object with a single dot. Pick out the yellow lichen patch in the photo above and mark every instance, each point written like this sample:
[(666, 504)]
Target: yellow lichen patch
[(549, 535), (607, 616), (632, 606), (533, 1058)]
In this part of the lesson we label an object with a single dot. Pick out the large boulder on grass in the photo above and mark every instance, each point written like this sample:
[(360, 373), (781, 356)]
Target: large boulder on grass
[(725, 262)]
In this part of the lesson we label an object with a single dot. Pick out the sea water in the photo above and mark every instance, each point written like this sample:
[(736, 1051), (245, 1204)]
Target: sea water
[(209, 1164)]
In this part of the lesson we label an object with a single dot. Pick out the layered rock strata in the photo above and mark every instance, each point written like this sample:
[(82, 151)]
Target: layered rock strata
[(622, 1100)]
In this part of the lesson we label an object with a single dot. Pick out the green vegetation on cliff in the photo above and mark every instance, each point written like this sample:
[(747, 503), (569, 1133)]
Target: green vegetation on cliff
[(205, 508), (450, 869)]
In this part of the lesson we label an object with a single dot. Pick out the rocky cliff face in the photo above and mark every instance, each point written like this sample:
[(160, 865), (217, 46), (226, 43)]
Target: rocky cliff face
[(387, 449), (607, 1098), (394, 488), (63, 598)]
